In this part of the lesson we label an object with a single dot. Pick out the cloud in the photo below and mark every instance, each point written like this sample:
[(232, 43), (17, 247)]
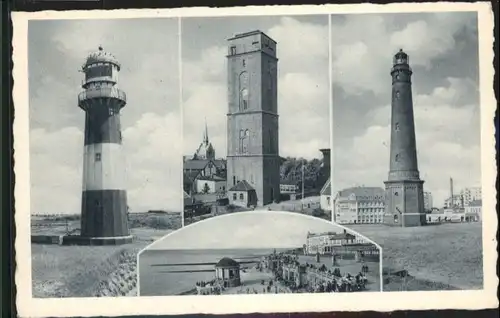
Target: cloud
[(257, 229), (303, 88), (363, 45), (445, 134), (151, 120)]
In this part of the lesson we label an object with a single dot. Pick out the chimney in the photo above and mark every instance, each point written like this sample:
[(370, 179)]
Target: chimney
[(451, 192), (326, 161)]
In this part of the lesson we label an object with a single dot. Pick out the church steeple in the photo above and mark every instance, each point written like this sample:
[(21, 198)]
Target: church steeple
[(205, 134)]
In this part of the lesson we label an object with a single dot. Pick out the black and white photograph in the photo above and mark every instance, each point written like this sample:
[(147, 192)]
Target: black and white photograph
[(102, 102), (267, 159), (270, 252), (407, 144), (255, 115)]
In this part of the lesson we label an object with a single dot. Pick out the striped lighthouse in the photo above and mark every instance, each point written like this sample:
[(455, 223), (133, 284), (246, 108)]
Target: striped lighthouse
[(104, 198)]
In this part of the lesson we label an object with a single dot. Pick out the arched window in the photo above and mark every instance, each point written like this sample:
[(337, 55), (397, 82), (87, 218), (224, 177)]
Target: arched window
[(244, 140), (243, 91)]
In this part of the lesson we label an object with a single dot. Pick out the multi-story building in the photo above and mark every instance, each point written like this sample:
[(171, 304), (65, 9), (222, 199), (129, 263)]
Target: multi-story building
[(455, 203), (324, 243), (474, 210), (359, 205), (471, 194)]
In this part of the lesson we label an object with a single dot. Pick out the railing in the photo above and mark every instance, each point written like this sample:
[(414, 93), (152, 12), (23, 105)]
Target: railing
[(109, 92)]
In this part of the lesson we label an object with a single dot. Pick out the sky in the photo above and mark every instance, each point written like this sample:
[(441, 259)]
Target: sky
[(443, 51), (150, 120), (256, 229), (303, 80)]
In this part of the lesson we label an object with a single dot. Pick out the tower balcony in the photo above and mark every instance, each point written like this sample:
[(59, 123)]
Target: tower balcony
[(104, 92)]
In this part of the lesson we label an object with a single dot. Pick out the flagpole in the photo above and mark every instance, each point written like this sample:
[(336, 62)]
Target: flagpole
[(302, 186)]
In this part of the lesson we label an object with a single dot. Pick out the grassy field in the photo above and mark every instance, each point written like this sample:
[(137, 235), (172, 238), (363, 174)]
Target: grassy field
[(85, 271), (447, 255)]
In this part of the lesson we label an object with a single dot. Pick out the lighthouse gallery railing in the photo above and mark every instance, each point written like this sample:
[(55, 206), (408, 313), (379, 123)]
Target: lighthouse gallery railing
[(105, 92)]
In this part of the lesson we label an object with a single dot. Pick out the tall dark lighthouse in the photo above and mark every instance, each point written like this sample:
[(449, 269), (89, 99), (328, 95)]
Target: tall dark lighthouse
[(404, 205), (104, 198)]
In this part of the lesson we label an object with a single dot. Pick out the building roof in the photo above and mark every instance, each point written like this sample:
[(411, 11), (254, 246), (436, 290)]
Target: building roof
[(243, 185), (190, 176), (212, 178), (364, 193), (327, 188), (100, 56), (476, 203), (195, 164), (245, 34), (333, 235), (227, 262)]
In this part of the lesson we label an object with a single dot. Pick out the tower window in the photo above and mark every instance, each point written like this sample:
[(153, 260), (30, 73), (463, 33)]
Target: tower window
[(98, 156), (232, 50), (396, 127), (397, 94), (234, 180), (396, 158), (243, 87), (243, 62)]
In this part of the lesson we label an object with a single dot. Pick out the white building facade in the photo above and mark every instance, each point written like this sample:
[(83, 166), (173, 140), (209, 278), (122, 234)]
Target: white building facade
[(359, 205)]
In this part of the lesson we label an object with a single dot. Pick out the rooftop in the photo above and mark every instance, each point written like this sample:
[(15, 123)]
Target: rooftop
[(243, 185), (364, 193), (100, 56), (227, 262), (327, 188)]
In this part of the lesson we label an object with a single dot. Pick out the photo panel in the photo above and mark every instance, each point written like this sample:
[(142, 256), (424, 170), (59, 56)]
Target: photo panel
[(270, 252), (407, 144), (255, 115), (103, 100)]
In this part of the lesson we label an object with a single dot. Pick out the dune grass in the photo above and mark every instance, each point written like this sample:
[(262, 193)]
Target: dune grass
[(447, 254), (82, 271)]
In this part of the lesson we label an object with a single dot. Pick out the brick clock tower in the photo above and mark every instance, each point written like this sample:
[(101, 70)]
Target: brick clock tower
[(404, 203), (252, 119)]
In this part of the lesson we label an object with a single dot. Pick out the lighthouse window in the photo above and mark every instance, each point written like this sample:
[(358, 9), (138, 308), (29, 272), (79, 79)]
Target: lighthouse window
[(397, 127), (397, 94), (397, 158), (98, 156)]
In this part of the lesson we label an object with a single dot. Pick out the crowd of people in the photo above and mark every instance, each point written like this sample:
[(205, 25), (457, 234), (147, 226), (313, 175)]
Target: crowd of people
[(329, 280)]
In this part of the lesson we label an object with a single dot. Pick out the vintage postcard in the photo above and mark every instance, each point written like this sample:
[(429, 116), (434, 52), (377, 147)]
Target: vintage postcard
[(257, 159), (260, 138)]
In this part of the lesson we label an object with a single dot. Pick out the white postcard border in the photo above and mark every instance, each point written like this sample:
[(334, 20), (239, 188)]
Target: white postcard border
[(388, 301)]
